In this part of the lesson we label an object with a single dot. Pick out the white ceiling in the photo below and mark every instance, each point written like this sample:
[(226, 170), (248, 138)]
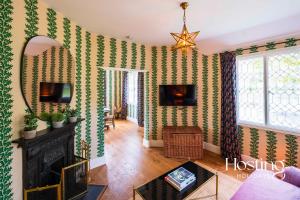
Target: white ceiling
[(223, 24)]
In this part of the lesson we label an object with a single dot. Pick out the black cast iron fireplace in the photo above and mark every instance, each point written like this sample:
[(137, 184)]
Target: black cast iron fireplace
[(45, 157)]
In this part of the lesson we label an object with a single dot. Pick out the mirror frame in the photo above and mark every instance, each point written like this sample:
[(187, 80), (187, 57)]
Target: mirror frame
[(21, 72)]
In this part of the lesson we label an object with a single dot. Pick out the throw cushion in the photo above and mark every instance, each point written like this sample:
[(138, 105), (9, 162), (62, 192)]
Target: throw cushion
[(292, 176)]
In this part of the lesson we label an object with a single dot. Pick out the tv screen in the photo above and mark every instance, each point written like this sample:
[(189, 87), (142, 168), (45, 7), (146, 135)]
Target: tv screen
[(55, 92), (177, 95)]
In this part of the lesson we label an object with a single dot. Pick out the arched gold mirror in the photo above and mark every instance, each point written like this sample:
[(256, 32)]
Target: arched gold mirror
[(47, 75)]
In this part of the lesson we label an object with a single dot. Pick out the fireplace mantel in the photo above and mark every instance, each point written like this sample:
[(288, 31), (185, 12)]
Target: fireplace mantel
[(46, 134), (50, 150)]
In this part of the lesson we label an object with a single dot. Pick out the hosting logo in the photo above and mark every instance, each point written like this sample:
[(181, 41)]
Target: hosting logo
[(255, 164)]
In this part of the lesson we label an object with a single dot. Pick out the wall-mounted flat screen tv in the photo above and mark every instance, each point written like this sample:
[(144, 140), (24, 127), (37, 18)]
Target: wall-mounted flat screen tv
[(55, 92), (177, 95)]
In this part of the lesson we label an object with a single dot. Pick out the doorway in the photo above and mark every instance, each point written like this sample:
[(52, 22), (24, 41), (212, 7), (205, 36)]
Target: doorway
[(125, 97)]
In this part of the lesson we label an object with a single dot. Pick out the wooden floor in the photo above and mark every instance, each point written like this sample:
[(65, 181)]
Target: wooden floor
[(129, 163)]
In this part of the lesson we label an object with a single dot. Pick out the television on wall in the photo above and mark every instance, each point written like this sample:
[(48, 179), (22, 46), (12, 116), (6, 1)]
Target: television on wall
[(177, 95), (55, 92)]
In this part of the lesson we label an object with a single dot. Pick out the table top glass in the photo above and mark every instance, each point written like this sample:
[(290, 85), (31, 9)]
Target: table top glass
[(159, 189)]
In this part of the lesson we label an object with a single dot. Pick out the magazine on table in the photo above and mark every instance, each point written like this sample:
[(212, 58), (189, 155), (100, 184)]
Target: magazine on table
[(180, 178)]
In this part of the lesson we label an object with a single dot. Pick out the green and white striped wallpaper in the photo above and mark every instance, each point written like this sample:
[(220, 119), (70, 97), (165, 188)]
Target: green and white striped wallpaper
[(53, 65), (113, 89), (171, 67), (22, 20)]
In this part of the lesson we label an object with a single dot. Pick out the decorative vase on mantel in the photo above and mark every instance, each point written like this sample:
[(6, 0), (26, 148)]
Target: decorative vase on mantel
[(73, 119), (30, 125), (57, 120), (72, 115), (29, 134)]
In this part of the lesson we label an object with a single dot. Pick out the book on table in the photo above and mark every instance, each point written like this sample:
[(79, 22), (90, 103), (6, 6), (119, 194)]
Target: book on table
[(180, 178)]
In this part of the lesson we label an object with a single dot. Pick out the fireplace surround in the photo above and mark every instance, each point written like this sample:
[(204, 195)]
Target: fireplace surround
[(46, 156)]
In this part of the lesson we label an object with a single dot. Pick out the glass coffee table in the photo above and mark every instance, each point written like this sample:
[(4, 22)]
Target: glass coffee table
[(159, 189)]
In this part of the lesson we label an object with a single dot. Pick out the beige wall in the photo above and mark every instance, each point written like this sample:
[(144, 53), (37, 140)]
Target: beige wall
[(18, 42), (152, 63)]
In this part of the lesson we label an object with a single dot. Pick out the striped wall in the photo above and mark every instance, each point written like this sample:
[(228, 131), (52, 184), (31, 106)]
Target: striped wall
[(113, 89), (28, 18), (22, 20), (52, 65), (171, 67)]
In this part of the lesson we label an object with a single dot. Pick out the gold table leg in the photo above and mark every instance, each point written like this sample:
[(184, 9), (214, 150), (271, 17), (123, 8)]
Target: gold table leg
[(133, 193), (217, 185)]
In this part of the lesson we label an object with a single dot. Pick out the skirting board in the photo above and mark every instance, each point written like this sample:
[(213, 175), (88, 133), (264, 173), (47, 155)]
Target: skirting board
[(96, 162), (160, 143), (153, 143), (212, 148)]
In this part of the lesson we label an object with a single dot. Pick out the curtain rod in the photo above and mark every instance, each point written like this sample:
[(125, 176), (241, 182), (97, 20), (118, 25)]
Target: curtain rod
[(260, 46)]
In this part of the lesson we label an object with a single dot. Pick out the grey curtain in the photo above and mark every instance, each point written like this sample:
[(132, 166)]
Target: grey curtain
[(140, 98), (230, 147), (124, 95)]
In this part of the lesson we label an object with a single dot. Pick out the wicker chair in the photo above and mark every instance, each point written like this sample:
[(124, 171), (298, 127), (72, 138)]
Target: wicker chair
[(118, 113)]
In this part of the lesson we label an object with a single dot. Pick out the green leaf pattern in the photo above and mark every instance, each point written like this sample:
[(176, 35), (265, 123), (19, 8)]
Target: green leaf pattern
[(34, 95), (271, 146), (78, 87), (123, 54), (31, 24), (133, 55), (174, 81), (164, 81), (184, 81), (215, 98), (291, 150), (205, 96), (100, 96), (143, 57), (88, 91), (6, 102), (254, 142), (154, 93), (52, 27), (195, 82)]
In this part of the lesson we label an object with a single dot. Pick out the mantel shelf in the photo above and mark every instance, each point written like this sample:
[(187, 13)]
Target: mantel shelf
[(46, 134)]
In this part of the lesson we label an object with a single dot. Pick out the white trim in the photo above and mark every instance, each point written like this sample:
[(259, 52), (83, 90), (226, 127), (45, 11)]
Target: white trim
[(212, 148), (123, 69), (160, 143), (146, 143), (270, 128), (96, 162), (153, 143), (156, 143)]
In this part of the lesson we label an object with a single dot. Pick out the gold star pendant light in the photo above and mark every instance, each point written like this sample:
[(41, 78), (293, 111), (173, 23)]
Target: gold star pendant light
[(185, 40)]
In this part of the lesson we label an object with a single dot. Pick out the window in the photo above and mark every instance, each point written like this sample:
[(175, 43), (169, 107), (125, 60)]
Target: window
[(269, 89), (132, 88)]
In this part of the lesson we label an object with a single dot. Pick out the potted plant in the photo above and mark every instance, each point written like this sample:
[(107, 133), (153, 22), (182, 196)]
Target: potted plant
[(72, 114), (57, 119), (31, 124), (44, 116)]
